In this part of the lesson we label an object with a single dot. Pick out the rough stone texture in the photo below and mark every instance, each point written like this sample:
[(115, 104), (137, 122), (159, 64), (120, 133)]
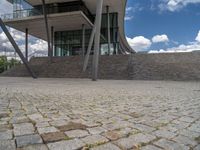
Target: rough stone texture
[(66, 145), (76, 133), (150, 147), (94, 140), (134, 141), (173, 66), (164, 134), (170, 145), (6, 135), (28, 139), (133, 113), (72, 126), (108, 146), (112, 135), (47, 130), (53, 137), (23, 129), (96, 130), (7, 145), (34, 147)]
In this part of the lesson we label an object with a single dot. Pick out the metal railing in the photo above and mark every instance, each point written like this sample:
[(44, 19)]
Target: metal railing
[(20, 14)]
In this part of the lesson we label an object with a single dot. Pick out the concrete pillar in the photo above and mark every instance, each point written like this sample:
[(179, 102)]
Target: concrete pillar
[(89, 47), (47, 27), (108, 26), (83, 40), (26, 44), (97, 40), (52, 41)]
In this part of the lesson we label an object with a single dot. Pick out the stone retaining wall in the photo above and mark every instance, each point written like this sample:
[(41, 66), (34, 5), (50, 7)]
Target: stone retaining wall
[(173, 66)]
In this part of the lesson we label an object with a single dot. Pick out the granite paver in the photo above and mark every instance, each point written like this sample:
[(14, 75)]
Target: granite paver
[(62, 114)]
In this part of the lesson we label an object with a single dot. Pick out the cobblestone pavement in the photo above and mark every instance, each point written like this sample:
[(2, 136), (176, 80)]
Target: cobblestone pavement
[(70, 114)]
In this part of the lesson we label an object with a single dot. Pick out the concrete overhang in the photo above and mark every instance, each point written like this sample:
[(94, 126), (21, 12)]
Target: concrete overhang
[(60, 22), (118, 6)]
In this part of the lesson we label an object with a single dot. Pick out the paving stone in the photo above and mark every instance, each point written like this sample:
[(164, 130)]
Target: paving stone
[(91, 124), (188, 133), (42, 124), (66, 145), (7, 145), (96, 130), (126, 143), (76, 133), (72, 126), (53, 137), (28, 139), (94, 140), (6, 135), (142, 138), (195, 128), (108, 146), (187, 119), (23, 129), (197, 147), (58, 123), (150, 147), (169, 145), (174, 109), (112, 135), (36, 117), (185, 141), (18, 120), (164, 134), (134, 141), (4, 114), (126, 131), (143, 128), (34, 147), (47, 130)]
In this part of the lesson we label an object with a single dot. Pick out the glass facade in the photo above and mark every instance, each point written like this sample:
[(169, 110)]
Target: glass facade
[(68, 43)]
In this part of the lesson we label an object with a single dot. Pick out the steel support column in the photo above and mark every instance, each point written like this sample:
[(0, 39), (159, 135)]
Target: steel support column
[(52, 40), (97, 40), (89, 47), (47, 28), (83, 40), (18, 51), (108, 26), (26, 44)]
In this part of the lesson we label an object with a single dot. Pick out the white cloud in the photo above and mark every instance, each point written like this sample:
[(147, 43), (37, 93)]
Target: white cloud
[(139, 43), (175, 5), (127, 18), (5, 7), (36, 47), (181, 48), (130, 11), (192, 46), (198, 37), (160, 38)]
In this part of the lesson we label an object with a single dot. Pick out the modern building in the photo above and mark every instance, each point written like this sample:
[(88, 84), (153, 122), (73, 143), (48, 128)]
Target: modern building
[(72, 27)]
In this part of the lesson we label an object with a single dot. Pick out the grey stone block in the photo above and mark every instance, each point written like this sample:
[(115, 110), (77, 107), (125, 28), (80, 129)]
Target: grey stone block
[(28, 140)]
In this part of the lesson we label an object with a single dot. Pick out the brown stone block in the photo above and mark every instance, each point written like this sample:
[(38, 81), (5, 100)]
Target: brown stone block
[(72, 126), (53, 137)]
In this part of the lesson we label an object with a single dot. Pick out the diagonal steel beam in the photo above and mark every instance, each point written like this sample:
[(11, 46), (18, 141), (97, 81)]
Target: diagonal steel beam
[(95, 63), (12, 41), (47, 28)]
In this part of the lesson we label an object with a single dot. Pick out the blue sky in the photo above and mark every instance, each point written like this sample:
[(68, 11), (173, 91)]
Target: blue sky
[(179, 20), (151, 25)]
